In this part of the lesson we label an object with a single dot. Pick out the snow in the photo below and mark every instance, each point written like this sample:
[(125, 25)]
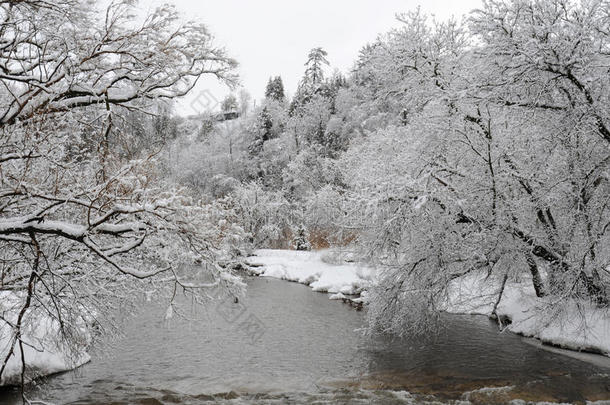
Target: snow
[(24, 224), (40, 361), (573, 325), (579, 326), (312, 268), (576, 326)]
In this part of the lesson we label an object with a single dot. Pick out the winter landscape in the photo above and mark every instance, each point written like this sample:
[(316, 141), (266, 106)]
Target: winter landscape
[(304, 202)]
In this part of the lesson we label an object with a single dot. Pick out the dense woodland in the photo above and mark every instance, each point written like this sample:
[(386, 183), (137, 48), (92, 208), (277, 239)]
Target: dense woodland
[(451, 147)]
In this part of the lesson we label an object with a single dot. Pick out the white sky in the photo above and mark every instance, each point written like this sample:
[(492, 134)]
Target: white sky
[(273, 37)]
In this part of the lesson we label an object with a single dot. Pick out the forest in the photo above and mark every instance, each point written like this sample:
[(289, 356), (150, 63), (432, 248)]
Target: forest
[(468, 152)]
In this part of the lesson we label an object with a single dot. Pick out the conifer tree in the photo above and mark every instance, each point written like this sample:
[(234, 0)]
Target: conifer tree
[(275, 89), (314, 72)]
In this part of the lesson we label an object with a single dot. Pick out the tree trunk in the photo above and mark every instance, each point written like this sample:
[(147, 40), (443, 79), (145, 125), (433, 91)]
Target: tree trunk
[(594, 290), (494, 312), (536, 279)]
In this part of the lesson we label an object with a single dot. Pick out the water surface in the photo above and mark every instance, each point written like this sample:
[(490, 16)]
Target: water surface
[(284, 343)]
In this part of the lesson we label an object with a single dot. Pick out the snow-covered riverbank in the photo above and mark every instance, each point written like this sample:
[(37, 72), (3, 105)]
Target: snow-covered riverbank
[(40, 362), (578, 327), (43, 352), (312, 269)]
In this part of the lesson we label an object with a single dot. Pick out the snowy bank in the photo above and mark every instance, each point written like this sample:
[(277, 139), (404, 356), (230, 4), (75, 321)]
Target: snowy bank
[(43, 353), (576, 326), (573, 325), (39, 362), (312, 269)]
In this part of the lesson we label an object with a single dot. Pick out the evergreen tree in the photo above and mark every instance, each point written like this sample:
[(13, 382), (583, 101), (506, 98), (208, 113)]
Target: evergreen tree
[(314, 73), (301, 240), (275, 89), (265, 124), (300, 98), (262, 132), (269, 90), (313, 81)]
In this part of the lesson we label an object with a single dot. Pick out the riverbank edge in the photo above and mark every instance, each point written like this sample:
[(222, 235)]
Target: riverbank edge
[(516, 310), (42, 364), (44, 352), (351, 290)]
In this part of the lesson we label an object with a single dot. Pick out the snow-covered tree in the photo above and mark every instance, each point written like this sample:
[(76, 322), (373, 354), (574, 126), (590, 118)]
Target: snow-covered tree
[(262, 132), (84, 229), (314, 72), (301, 239), (490, 157), (275, 89), (266, 215), (229, 103)]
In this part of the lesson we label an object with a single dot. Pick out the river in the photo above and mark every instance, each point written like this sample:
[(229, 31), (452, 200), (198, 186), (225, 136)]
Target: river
[(283, 343)]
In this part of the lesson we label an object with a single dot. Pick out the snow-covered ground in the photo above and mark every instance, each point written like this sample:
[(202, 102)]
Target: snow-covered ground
[(312, 269), (577, 327), (43, 355)]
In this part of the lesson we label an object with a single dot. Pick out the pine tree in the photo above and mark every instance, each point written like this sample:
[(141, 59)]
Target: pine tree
[(300, 98), (313, 82), (314, 74), (275, 89), (270, 89), (265, 124), (262, 132), (301, 240)]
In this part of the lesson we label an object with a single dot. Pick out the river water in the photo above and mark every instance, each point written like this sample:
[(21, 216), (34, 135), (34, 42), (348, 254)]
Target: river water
[(283, 343)]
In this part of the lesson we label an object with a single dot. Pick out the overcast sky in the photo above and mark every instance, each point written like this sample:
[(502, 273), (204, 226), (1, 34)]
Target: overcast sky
[(273, 37)]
